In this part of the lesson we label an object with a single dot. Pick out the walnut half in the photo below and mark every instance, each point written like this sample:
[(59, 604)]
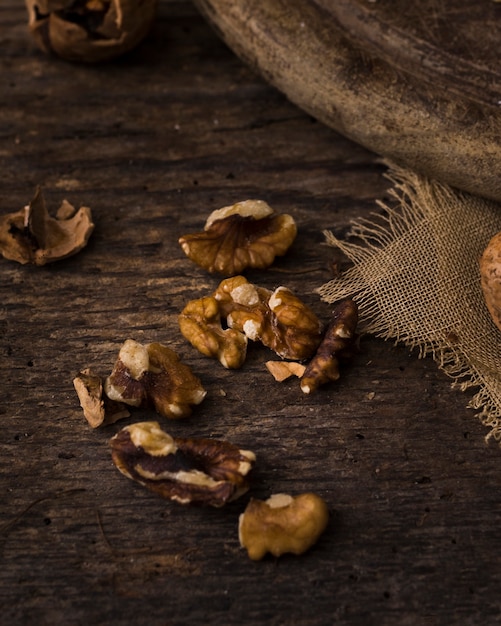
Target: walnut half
[(153, 375), (282, 524), (189, 471), (245, 234)]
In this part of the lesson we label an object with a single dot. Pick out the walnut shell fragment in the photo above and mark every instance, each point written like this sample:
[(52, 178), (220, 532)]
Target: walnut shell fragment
[(490, 278), (282, 524), (98, 409), (189, 471), (89, 31), (32, 236), (152, 375), (247, 234)]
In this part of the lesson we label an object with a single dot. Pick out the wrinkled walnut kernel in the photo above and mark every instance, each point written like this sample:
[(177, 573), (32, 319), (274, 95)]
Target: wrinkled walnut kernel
[(152, 375), (246, 234), (282, 524), (337, 344), (89, 30), (32, 236), (278, 319), (200, 323), (188, 471)]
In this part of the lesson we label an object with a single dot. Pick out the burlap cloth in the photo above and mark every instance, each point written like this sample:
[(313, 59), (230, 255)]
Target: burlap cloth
[(415, 277)]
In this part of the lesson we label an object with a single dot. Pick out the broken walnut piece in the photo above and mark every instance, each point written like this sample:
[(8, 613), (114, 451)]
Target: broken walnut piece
[(98, 409), (152, 375), (32, 236), (89, 30), (279, 320), (245, 234), (189, 471), (282, 370), (337, 344), (200, 323), (282, 524)]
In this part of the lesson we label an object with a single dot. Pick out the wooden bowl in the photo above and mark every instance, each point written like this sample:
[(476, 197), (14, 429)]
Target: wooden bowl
[(419, 85)]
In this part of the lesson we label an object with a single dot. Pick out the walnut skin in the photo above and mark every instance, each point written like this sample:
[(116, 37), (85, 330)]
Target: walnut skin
[(189, 471), (89, 31), (32, 236), (490, 278), (336, 344), (246, 234), (282, 524), (153, 375)]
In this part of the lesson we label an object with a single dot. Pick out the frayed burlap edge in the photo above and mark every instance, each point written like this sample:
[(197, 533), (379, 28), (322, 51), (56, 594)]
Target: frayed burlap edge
[(415, 277)]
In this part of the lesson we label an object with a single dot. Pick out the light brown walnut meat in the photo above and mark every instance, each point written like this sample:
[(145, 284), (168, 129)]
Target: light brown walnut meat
[(189, 471), (282, 524), (200, 322), (278, 319), (490, 278), (152, 375), (282, 370), (337, 344), (89, 30), (32, 236), (245, 235)]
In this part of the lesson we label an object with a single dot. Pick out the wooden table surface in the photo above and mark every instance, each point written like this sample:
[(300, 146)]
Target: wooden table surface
[(152, 143)]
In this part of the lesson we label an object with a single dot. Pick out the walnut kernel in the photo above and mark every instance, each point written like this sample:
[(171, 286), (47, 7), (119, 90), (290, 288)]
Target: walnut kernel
[(278, 319), (153, 375), (246, 234), (200, 323), (189, 471), (337, 344), (282, 524)]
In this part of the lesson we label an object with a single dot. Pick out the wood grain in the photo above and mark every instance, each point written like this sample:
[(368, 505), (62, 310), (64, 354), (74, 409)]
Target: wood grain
[(152, 143)]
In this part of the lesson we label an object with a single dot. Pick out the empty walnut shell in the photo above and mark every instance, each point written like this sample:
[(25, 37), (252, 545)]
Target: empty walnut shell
[(189, 471), (244, 235), (89, 30), (32, 236)]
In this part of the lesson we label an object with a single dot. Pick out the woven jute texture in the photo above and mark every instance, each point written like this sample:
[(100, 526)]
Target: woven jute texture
[(415, 277)]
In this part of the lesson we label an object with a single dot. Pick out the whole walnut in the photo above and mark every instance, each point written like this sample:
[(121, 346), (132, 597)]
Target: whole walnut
[(490, 278), (89, 31)]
